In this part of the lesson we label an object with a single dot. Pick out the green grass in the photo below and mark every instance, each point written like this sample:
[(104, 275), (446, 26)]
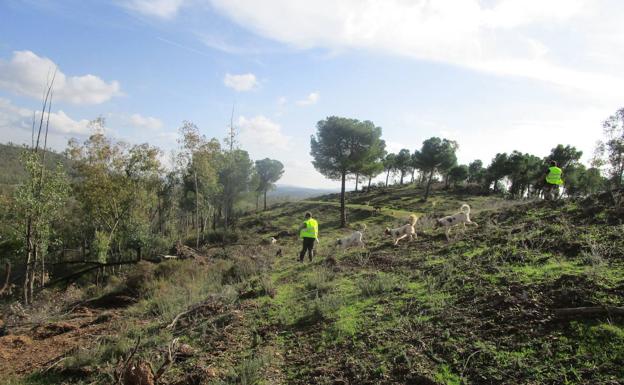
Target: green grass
[(476, 310)]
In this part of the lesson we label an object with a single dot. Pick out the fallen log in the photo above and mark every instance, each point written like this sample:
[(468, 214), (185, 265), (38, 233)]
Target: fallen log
[(72, 277), (588, 311)]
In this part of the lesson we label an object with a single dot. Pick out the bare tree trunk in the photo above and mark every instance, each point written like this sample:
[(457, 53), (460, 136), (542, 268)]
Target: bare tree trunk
[(265, 205), (370, 178), (357, 180), (26, 284), (197, 208), (343, 213), (387, 176)]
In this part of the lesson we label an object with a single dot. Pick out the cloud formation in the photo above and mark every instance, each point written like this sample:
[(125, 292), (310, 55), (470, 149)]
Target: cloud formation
[(503, 37), (261, 136), (27, 74), (147, 122), (163, 9), (240, 83), (14, 118), (312, 98)]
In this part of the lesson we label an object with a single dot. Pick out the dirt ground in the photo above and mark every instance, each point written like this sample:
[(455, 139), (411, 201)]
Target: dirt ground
[(38, 347)]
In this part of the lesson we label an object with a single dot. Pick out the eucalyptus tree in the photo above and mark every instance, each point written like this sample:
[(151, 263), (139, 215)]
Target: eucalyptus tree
[(611, 149)]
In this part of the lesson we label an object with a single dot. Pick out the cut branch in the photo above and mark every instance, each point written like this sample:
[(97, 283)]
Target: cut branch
[(588, 311)]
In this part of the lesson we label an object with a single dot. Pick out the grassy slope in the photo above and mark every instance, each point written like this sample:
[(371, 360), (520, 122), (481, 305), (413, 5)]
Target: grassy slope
[(475, 311), (478, 310)]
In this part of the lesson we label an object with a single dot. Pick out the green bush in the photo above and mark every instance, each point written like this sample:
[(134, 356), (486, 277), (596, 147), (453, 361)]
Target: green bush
[(377, 284), (318, 283)]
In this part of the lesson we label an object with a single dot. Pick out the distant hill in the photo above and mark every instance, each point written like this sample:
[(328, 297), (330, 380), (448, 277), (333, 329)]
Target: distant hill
[(286, 192), (12, 172)]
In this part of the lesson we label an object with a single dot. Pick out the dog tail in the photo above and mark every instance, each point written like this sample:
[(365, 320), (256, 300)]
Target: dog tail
[(412, 219), (465, 209)]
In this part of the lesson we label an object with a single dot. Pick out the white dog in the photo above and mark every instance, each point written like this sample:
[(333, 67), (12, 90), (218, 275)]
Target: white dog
[(406, 230), (462, 217), (355, 239)]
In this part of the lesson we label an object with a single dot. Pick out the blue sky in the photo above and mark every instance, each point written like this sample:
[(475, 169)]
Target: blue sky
[(495, 75)]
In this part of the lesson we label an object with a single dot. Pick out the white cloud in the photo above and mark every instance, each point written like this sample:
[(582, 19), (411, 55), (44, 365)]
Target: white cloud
[(16, 122), (243, 82), (27, 74), (261, 136), (495, 36), (281, 101), (147, 122), (312, 98), (164, 9)]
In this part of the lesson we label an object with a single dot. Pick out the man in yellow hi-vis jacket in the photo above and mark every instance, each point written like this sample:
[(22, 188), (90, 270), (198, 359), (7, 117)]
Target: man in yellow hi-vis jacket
[(553, 181), (308, 231)]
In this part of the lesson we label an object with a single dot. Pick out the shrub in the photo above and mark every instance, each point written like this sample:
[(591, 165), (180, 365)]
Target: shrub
[(139, 277), (219, 236), (318, 283), (242, 268), (377, 284)]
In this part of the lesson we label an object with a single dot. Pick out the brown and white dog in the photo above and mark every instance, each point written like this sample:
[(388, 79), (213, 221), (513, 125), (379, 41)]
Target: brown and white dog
[(407, 230), (460, 218), (355, 239)]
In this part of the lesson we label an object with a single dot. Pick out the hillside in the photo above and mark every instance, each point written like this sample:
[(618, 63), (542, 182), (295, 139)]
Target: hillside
[(12, 172), (482, 309)]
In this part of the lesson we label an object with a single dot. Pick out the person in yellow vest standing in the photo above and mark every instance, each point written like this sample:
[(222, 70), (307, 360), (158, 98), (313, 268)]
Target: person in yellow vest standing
[(553, 181), (308, 231)]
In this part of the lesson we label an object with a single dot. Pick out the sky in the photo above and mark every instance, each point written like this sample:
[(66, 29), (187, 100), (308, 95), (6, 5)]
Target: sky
[(494, 75)]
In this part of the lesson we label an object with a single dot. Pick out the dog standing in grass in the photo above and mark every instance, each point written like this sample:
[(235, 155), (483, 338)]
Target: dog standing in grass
[(353, 240), (460, 218), (407, 230)]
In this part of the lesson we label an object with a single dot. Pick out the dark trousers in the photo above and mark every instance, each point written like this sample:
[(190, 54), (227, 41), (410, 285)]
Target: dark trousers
[(308, 245)]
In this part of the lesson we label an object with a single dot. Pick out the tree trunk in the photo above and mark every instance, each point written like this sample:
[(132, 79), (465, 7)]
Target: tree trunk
[(413, 172), (402, 175), (28, 261), (421, 178), (357, 181), (428, 185), (257, 202), (197, 208), (265, 205), (343, 213), (387, 176), (7, 278), (370, 178)]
